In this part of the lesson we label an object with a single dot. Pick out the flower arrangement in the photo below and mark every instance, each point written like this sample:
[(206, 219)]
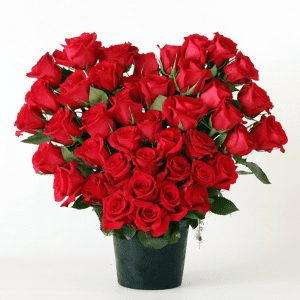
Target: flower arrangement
[(147, 142)]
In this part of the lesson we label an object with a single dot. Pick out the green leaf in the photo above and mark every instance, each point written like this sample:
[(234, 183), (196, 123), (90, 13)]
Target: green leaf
[(38, 139), (190, 91), (78, 203), (152, 242), (243, 172), (65, 74), (237, 104), (220, 139), (97, 96), (211, 200), (195, 214), (258, 172), (158, 103), (69, 155), (240, 160), (132, 117), (99, 211), (223, 206), (193, 223), (85, 170), (180, 126), (213, 192), (129, 231), (214, 71)]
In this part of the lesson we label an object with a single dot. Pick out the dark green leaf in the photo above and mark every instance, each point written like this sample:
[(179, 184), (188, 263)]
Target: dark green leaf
[(214, 71), (237, 104), (129, 231), (78, 203), (211, 200), (151, 242), (258, 172), (68, 155), (97, 96), (38, 138), (195, 214), (65, 74), (85, 170), (158, 103), (220, 139), (223, 206), (193, 223), (243, 172), (190, 91)]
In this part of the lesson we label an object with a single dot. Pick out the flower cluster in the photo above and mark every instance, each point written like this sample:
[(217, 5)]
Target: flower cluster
[(146, 142)]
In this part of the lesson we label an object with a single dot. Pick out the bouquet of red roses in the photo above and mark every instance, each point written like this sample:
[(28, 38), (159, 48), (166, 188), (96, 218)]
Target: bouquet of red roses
[(147, 142)]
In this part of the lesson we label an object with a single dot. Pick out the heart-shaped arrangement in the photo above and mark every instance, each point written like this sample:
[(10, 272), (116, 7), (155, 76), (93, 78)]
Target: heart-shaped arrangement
[(147, 142)]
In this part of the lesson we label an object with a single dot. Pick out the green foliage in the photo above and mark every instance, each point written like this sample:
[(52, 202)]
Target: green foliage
[(78, 203), (38, 138), (97, 96), (222, 206), (195, 214), (129, 231), (68, 155), (158, 103), (214, 71), (220, 139), (193, 223), (65, 74)]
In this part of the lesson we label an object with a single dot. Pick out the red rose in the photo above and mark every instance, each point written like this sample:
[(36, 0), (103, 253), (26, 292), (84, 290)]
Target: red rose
[(126, 139), (80, 52), (149, 123), (169, 196), (223, 48), (215, 94), (169, 142), (117, 211), (152, 86), (241, 70), (67, 182), (190, 74), (195, 195), (185, 110), (29, 118), (92, 151), (141, 188), (93, 189), (118, 167), (269, 134), (147, 160), (47, 158), (42, 97), (75, 90), (123, 108), (203, 173), (178, 168), (145, 64), (47, 70), (168, 54), (195, 47), (62, 126), (122, 53), (225, 170), (226, 117), (198, 144), (131, 84), (254, 100), (96, 122), (106, 74), (239, 142)]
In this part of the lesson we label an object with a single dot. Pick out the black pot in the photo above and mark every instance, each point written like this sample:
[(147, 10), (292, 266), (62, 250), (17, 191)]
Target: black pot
[(139, 267)]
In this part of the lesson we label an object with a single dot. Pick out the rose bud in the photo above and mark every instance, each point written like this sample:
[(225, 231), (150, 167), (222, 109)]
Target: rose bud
[(195, 47), (226, 117), (169, 142), (195, 195), (215, 93), (42, 97), (126, 139), (123, 54), (203, 173), (93, 189), (67, 182), (96, 122), (106, 74), (254, 100), (62, 126), (145, 64), (92, 151), (239, 142), (118, 167), (80, 52), (117, 211), (131, 84), (150, 123), (47, 70), (168, 54), (198, 144), (75, 90), (185, 110), (123, 108), (152, 86), (191, 74), (225, 170), (223, 49), (178, 168), (241, 70), (269, 134), (169, 196), (47, 158), (147, 160), (29, 118)]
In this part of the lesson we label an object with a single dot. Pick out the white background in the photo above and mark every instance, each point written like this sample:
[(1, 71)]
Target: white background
[(49, 252)]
